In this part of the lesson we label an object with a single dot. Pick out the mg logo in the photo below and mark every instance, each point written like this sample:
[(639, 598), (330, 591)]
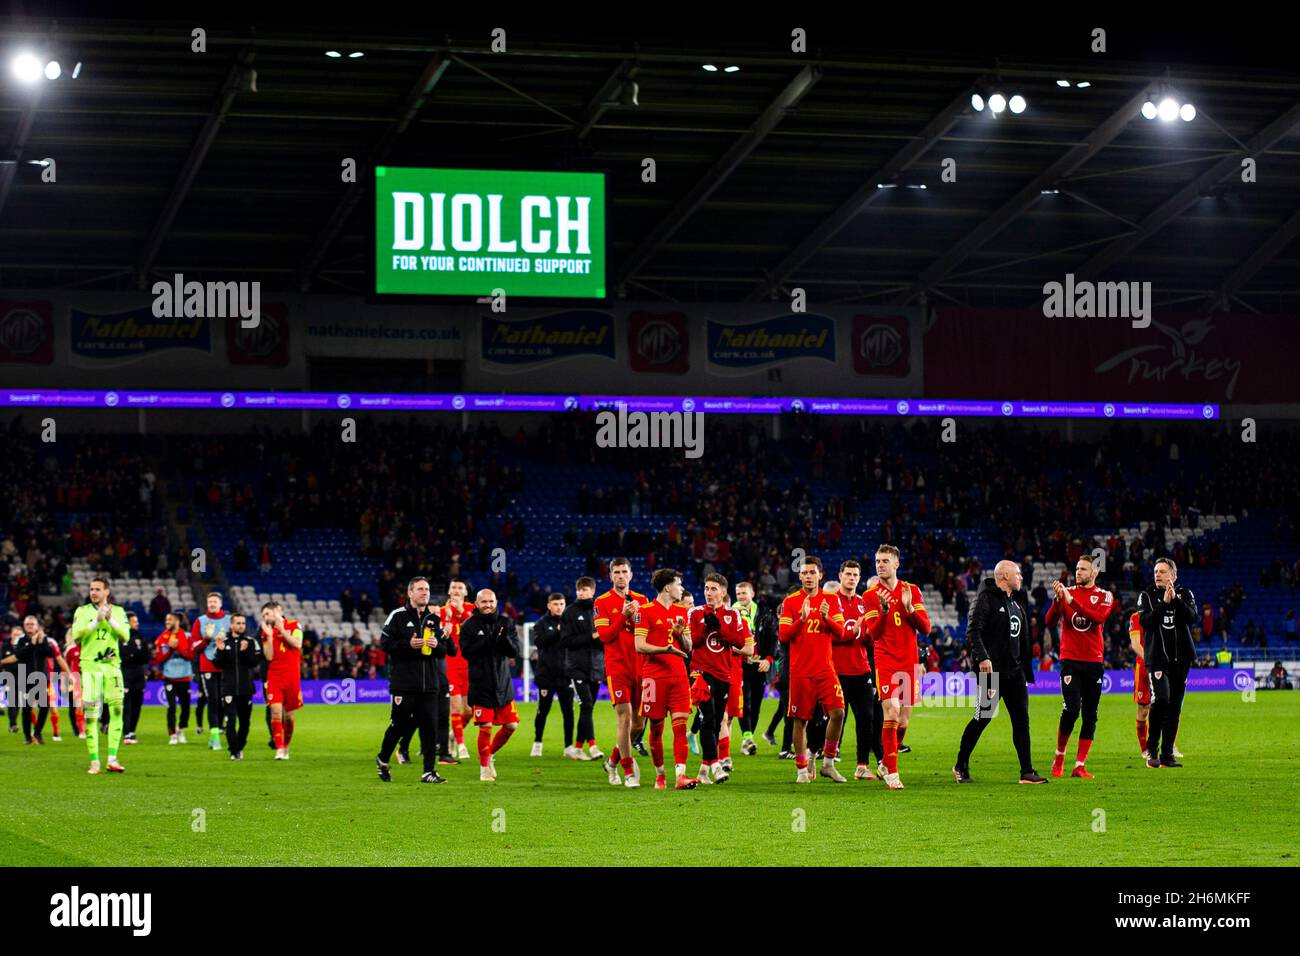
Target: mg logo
[(658, 343), (261, 339), (21, 332), (880, 346)]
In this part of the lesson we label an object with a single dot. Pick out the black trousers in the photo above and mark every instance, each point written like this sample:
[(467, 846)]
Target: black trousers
[(1009, 689), (238, 711), (446, 745), (585, 691), (201, 704), (178, 695), (418, 710), (546, 696), (711, 713), (210, 685), (1167, 693), (753, 684), (132, 704), (782, 706), (860, 696), (1081, 692), (26, 704)]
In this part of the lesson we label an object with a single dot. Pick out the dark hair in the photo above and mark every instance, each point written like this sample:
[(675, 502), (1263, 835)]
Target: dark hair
[(416, 580), (713, 577), (664, 577), (585, 582), (555, 596), (103, 581), (814, 561), (850, 563), (269, 606), (620, 562)]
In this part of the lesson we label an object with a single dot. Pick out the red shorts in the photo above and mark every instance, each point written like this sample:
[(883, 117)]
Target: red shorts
[(661, 696), (498, 715), (624, 690), (458, 678), (736, 700), (284, 689), (807, 692), (1141, 683), (898, 679)]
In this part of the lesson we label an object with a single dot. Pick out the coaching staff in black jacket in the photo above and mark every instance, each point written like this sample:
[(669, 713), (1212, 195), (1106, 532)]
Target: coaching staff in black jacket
[(584, 663), (548, 674), (417, 677), (240, 659), (489, 642), (998, 635), (1166, 613)]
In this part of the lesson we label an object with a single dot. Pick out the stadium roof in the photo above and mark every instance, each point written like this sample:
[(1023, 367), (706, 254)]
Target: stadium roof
[(167, 160)]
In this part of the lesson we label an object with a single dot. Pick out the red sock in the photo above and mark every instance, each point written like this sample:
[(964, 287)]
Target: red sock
[(81, 721), (277, 732), (288, 732), (54, 719), (680, 746), (889, 740), (1142, 735), (1084, 747), (591, 745), (902, 732), (657, 742), (614, 757), (801, 761), (724, 748), (831, 749), (484, 744), (629, 765), (458, 728), (500, 739)]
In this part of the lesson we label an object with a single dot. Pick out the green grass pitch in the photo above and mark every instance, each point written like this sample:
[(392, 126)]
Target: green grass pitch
[(1233, 803)]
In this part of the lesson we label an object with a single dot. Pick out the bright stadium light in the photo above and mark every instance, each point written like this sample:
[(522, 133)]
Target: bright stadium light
[(1149, 110), (1082, 86), (1065, 83), (1168, 109), (355, 54), (333, 54), (1187, 113), (52, 70), (731, 69), (710, 68), (26, 68), (76, 70), (977, 102), (1017, 104), (997, 103)]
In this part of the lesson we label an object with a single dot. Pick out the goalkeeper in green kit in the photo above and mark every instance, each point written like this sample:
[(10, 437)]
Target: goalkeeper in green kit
[(100, 628)]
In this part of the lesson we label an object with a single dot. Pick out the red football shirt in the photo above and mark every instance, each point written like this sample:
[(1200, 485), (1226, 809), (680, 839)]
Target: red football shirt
[(451, 621), (286, 660), (810, 640), (618, 634), (655, 627), (711, 650), (894, 633), (1135, 633), (1081, 622), (849, 649)]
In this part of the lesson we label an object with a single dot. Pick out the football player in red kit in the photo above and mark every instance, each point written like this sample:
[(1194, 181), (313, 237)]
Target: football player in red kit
[(715, 630), (453, 614), (1081, 611), (616, 612), (808, 622), (898, 671), (282, 647), (664, 642)]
